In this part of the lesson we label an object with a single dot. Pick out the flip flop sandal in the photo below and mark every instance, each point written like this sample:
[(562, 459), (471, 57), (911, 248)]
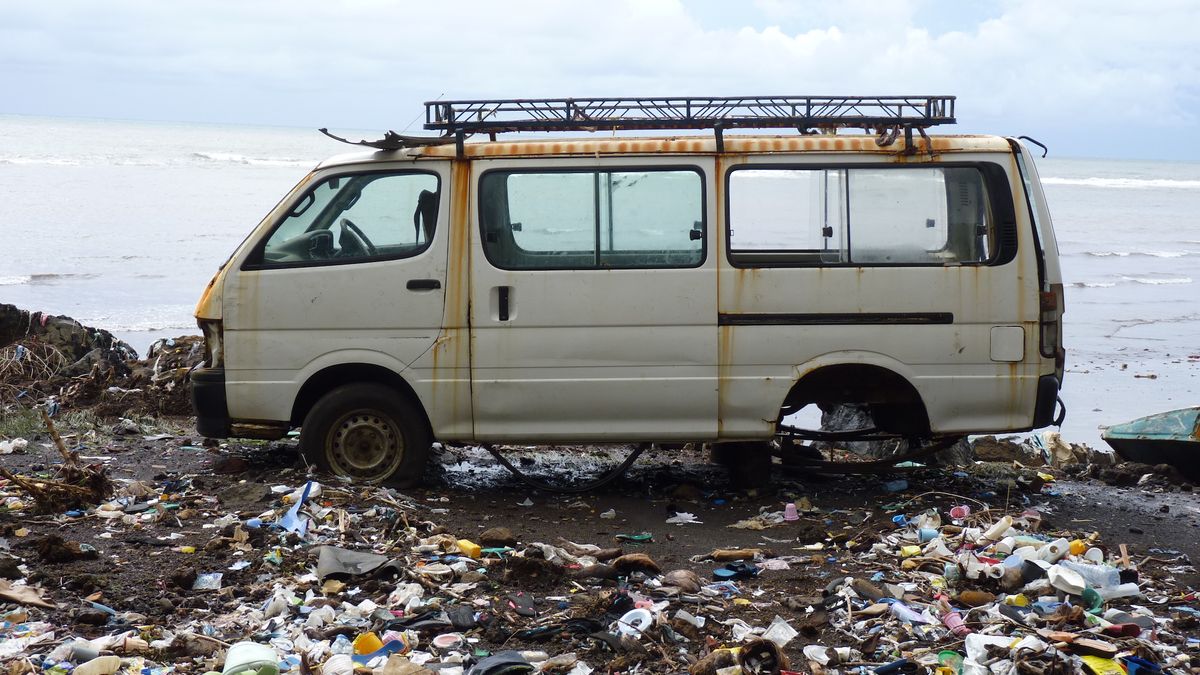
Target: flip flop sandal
[(462, 617), (611, 640), (1122, 630), (522, 603), (540, 633), (501, 663), (897, 667), (433, 620), (735, 571), (1087, 647)]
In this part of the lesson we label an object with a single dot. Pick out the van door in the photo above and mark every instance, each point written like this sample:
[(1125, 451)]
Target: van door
[(353, 273), (593, 300)]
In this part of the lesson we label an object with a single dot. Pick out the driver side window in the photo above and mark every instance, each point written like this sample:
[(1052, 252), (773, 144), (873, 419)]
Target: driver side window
[(357, 217)]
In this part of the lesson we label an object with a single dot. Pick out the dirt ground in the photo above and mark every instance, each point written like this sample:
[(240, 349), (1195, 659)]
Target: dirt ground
[(145, 573)]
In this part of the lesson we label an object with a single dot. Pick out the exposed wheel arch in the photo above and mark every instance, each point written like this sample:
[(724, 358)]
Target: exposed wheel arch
[(895, 404), (332, 377)]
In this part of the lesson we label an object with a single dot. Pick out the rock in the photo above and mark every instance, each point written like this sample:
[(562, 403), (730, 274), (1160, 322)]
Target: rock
[(53, 549), (91, 617), (685, 580), (244, 494), (184, 578), (230, 465), (497, 537), (9, 568)]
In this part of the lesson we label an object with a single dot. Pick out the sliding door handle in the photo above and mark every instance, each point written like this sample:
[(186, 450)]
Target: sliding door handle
[(502, 302)]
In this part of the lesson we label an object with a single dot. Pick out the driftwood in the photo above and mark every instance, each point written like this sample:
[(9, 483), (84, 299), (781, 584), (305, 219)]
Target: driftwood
[(74, 486)]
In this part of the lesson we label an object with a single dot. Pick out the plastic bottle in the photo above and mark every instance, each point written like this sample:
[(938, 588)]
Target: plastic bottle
[(1055, 550), (907, 614), (298, 494), (341, 645), (1005, 545), (1066, 580), (997, 530), (1097, 576), (1119, 591)]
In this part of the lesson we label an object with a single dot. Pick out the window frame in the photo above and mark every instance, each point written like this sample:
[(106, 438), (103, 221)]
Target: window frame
[(255, 259), (594, 170), (995, 183)]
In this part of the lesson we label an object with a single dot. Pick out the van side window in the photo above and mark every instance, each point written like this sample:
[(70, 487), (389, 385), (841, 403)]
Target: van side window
[(351, 218), (860, 216), (592, 219)]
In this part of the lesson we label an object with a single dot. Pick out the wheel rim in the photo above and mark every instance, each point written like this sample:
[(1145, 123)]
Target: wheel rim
[(365, 445)]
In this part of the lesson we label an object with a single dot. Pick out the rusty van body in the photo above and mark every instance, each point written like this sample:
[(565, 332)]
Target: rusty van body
[(652, 289)]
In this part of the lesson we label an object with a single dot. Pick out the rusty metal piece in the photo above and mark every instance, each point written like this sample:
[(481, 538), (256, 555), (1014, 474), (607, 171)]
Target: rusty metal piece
[(805, 463)]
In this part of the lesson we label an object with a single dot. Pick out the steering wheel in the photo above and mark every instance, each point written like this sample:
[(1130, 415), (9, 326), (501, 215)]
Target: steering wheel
[(361, 238)]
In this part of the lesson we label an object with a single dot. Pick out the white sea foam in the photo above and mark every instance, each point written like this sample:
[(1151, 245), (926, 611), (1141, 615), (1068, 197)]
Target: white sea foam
[(1157, 281), (1126, 254), (39, 161), (1124, 183), (234, 158), (1093, 284), (40, 279)]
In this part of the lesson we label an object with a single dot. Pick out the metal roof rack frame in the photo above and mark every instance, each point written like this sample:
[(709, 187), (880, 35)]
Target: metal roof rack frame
[(888, 115)]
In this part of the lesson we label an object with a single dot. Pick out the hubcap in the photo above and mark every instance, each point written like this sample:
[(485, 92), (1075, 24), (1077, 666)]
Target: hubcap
[(365, 445)]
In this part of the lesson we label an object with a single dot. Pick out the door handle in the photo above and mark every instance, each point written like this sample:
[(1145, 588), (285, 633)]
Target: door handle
[(423, 284), (502, 302)]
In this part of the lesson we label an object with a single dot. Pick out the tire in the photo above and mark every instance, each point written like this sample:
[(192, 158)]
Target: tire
[(367, 432)]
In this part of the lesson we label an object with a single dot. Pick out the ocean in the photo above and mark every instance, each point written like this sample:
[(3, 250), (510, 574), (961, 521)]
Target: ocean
[(121, 224)]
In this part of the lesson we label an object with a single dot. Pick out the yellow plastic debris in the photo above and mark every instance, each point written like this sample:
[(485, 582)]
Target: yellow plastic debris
[(470, 548), (367, 643)]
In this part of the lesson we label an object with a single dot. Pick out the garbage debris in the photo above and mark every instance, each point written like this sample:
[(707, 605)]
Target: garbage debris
[(1005, 566)]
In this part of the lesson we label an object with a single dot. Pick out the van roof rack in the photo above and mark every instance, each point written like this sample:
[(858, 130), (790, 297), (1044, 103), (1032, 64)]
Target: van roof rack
[(886, 114)]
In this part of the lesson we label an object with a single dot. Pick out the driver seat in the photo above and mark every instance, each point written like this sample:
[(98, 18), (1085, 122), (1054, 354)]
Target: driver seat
[(425, 215)]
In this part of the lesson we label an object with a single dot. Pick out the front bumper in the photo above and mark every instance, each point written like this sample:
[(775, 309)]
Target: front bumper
[(208, 400)]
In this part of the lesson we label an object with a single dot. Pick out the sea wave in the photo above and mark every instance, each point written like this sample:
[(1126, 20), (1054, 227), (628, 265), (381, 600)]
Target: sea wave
[(1093, 284), (234, 158), (1124, 183), (1157, 281), (187, 327), (41, 279), (1127, 254), (39, 161)]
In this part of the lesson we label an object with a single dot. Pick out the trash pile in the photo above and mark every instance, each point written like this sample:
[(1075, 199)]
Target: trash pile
[(310, 577), (56, 361)]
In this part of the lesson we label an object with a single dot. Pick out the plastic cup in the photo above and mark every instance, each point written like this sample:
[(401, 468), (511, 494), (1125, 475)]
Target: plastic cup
[(250, 657), (789, 512), (960, 512), (367, 643)]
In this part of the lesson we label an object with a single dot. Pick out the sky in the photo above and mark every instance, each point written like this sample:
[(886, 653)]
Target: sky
[(1089, 78)]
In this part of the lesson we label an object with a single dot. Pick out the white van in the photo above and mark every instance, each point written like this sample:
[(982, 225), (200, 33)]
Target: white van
[(664, 289)]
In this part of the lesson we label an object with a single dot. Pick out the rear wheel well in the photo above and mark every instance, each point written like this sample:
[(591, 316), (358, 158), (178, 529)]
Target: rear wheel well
[(325, 381), (894, 403)]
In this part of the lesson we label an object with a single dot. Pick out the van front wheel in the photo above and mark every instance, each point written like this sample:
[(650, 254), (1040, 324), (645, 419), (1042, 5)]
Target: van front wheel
[(366, 432)]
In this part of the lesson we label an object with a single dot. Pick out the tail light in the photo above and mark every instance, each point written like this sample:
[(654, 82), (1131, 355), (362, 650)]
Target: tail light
[(1051, 324)]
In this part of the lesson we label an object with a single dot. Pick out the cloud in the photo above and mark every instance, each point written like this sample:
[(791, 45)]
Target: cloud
[(1077, 74)]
